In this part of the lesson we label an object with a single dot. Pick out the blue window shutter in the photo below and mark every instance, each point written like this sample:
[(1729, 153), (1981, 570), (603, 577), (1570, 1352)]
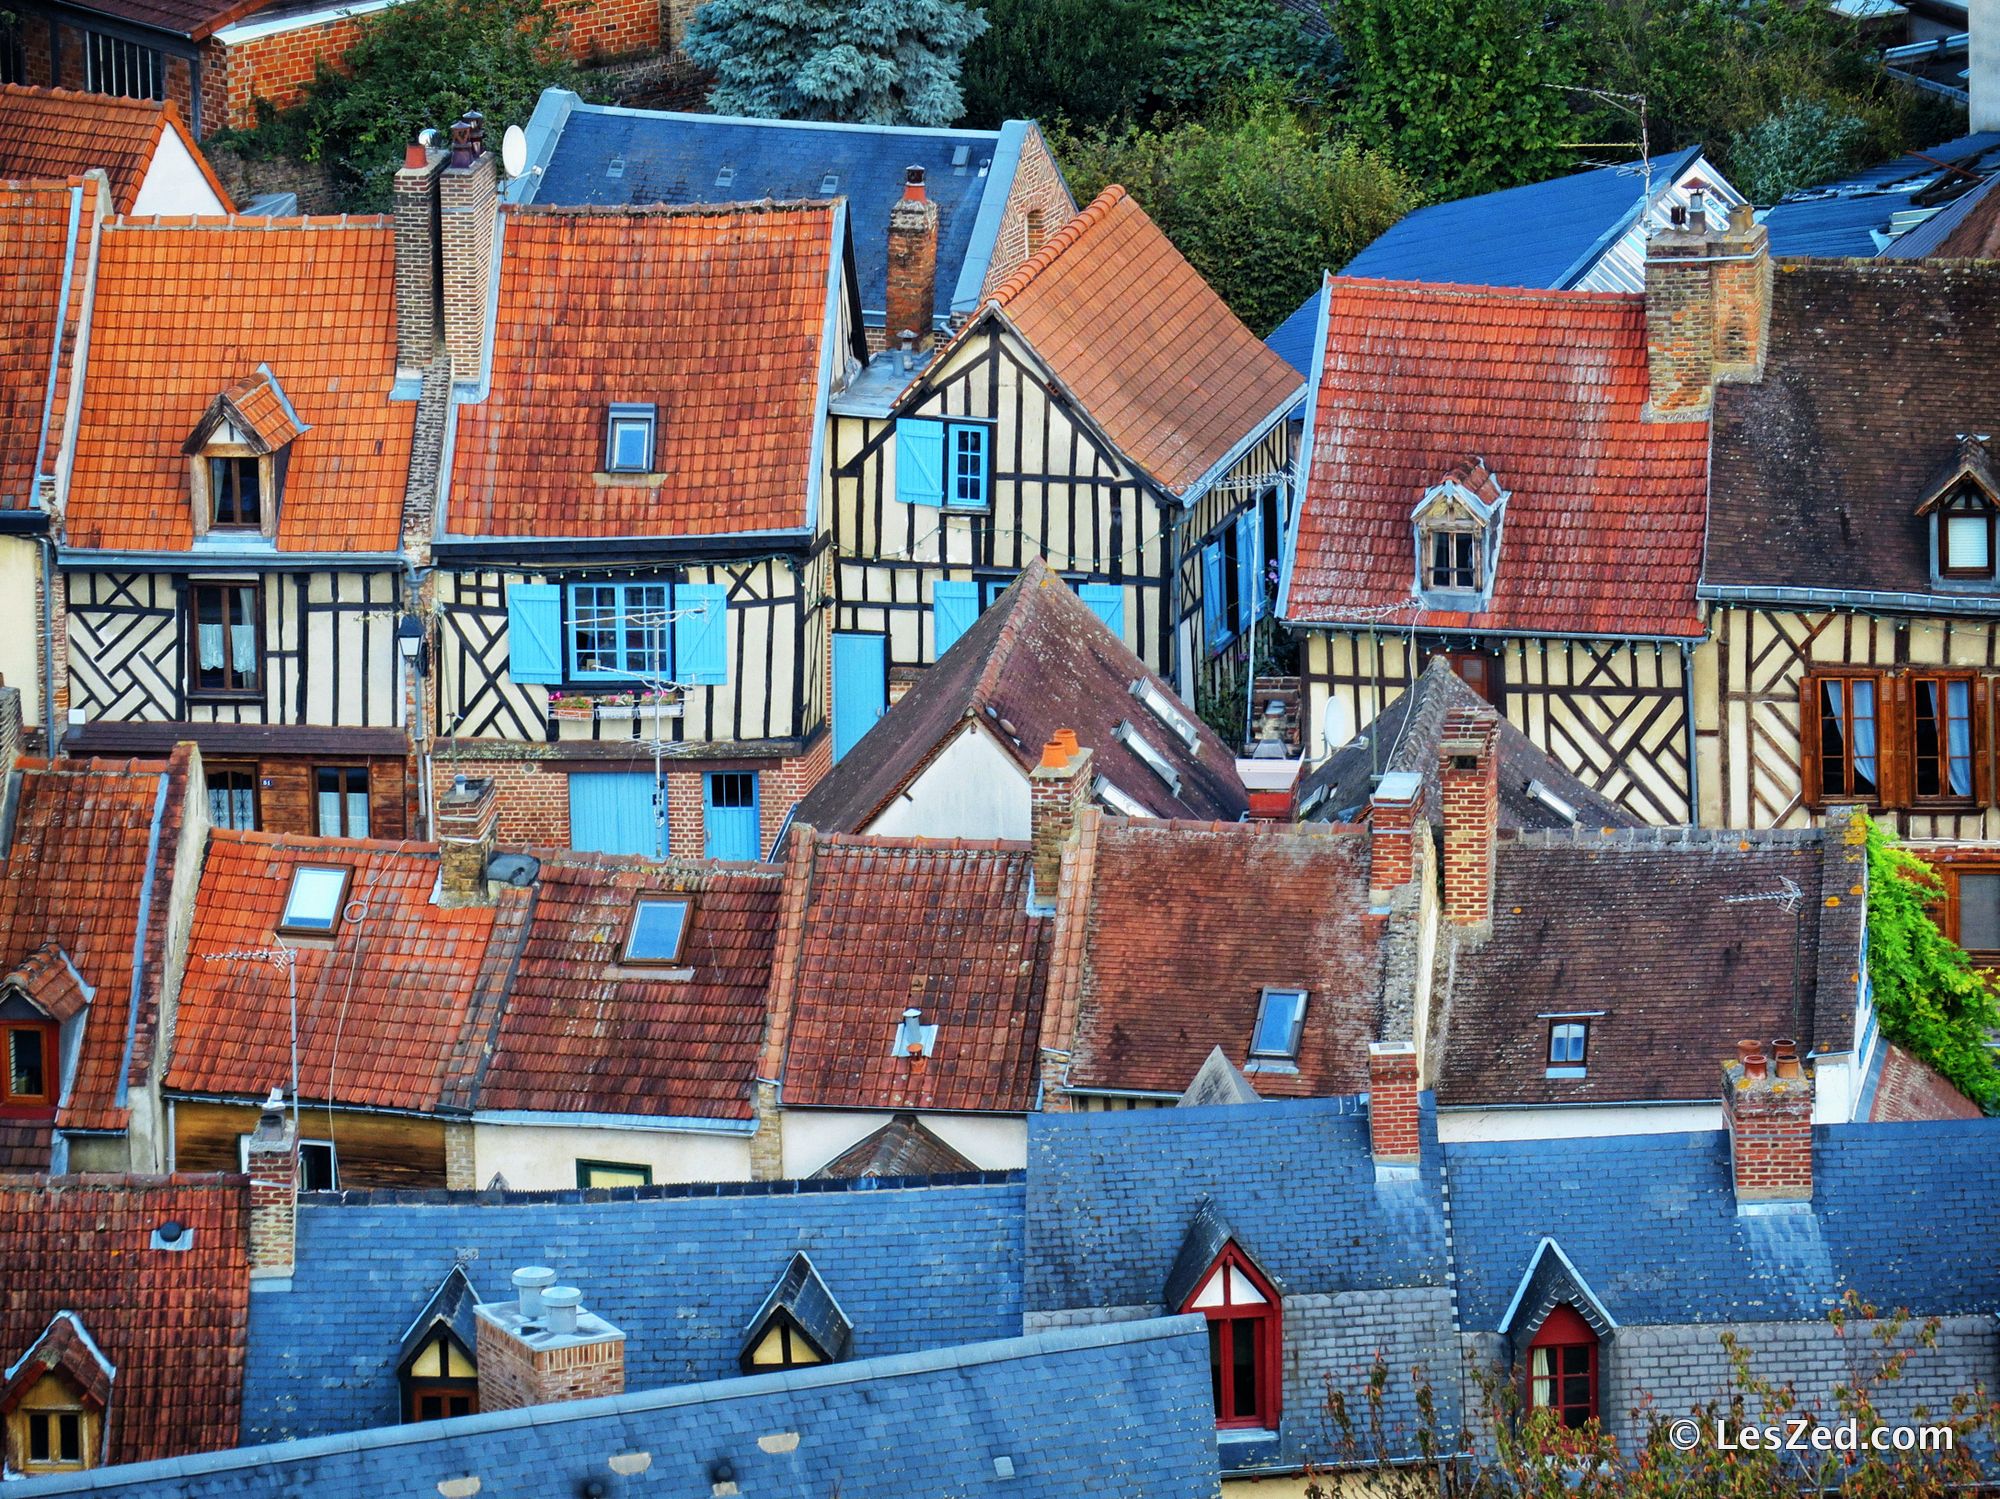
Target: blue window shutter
[(1212, 595), (534, 632), (954, 606), (701, 634), (1107, 602), (919, 461), (1249, 569)]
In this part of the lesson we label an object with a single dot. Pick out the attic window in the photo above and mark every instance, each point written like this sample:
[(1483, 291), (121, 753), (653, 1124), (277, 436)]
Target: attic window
[(1118, 801), (1167, 711), (616, 167), (829, 184), (726, 177), (1158, 763), (628, 439), (1281, 1018), (440, 1380), (960, 157), (235, 493), (1965, 535), (315, 900), (1457, 524), (1454, 561), (658, 934), (1568, 1042)]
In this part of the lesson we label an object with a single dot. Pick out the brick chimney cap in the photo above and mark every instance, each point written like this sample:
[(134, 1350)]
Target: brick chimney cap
[(1397, 787)]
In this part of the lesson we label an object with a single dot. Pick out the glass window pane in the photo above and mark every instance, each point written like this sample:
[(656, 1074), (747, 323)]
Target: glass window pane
[(657, 929), (1967, 546), (1215, 1363), (594, 625), (38, 1439), (1278, 1021), (1243, 1374), (26, 1065), (314, 901), (1979, 912), (71, 1425)]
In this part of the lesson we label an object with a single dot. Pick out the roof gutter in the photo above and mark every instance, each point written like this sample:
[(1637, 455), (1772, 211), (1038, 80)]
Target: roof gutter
[(679, 1124), (541, 551), (139, 933), (82, 559), (1859, 599), (1490, 633), (33, 497)]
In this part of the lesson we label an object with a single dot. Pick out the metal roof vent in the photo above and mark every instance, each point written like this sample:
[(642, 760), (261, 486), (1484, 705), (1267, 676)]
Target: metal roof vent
[(173, 1235), (914, 1039)]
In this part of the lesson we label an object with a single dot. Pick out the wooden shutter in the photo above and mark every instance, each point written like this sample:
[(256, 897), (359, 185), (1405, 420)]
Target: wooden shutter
[(1249, 568), (1107, 602), (534, 632), (701, 634), (1809, 782), (1894, 740), (954, 606), (1982, 740), (919, 461), (1213, 595)]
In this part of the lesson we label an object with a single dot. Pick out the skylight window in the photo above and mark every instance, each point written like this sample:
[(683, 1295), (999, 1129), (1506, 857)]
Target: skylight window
[(960, 156), (628, 440), (1167, 711), (726, 177), (615, 167), (1146, 750), (1568, 1041), (313, 904), (1281, 1017), (1554, 803), (1118, 801), (659, 929), (829, 184)]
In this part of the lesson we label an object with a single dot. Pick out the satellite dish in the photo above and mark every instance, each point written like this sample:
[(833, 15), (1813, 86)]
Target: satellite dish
[(514, 151)]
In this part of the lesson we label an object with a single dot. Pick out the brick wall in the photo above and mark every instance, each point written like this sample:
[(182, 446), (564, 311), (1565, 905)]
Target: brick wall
[(1470, 794), (274, 68), (1392, 833), (1036, 208), (512, 1374), (1770, 1135)]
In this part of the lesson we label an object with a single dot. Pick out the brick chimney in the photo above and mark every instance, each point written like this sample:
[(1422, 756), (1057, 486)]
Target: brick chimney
[(1982, 80), (1392, 1104), (1708, 309), (273, 1164), (1469, 780), (913, 231), (468, 206), (1767, 1103), (543, 1346), (466, 818), (417, 261), (1392, 833), (1058, 790)]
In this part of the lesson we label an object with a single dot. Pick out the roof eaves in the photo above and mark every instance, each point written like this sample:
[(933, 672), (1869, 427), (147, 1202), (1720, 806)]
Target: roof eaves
[(1244, 444)]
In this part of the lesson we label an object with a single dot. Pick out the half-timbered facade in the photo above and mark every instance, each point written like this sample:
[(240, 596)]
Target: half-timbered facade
[(632, 564), (1484, 480), (233, 517), (1850, 558), (1102, 410)]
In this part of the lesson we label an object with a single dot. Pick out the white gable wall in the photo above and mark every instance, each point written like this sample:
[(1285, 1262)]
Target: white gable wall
[(974, 788), (174, 183)]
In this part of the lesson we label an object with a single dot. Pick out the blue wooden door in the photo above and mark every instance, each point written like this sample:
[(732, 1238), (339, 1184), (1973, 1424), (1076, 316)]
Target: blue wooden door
[(729, 815), (611, 812), (860, 687)]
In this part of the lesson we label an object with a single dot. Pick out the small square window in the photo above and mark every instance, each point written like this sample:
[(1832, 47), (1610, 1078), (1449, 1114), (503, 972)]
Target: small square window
[(659, 929), (1281, 1015), (628, 445), (313, 904), (612, 1174), (1568, 1040)]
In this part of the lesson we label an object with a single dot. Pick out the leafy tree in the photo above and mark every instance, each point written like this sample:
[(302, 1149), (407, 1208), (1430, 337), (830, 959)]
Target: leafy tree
[(1085, 61), (1802, 144), (1928, 996), (879, 62), (1258, 200), (1467, 95), (1208, 47), (414, 67)]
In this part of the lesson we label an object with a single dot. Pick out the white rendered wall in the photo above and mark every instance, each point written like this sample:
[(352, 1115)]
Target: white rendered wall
[(992, 1142), (174, 183), (1462, 1125), (543, 1157), (973, 789), (21, 627)]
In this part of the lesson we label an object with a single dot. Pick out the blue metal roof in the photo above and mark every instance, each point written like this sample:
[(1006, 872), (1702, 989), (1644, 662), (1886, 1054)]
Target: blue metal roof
[(1292, 340), (1541, 235), (595, 154), (1122, 1410), (1835, 218), (681, 1273), (1905, 1214)]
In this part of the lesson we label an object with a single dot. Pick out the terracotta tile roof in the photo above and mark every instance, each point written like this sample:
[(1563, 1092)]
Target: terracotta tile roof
[(717, 317), (255, 406), (1908, 1090), (584, 1033), (380, 1006), (1684, 939), (197, 20), (63, 133), (1603, 532), (1169, 932), (902, 1147), (171, 1322), (74, 875), (67, 1346), (47, 977), (1873, 371), (936, 924), (1148, 349), (312, 299), (1037, 660), (36, 246)]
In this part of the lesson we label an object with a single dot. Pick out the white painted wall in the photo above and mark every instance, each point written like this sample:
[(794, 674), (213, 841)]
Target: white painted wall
[(21, 626), (542, 1157), (173, 183), (974, 788), (992, 1142), (1460, 1125)]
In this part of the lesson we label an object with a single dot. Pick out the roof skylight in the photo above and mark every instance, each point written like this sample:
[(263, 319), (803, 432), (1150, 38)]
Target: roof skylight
[(313, 904), (1281, 1016), (829, 184), (1146, 750), (726, 177), (1118, 801), (1169, 712), (659, 929)]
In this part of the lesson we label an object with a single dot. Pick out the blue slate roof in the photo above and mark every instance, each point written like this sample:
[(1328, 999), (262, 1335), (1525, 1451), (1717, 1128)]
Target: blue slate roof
[(1905, 1214), (597, 154), (1543, 235), (1122, 1410), (1293, 339), (680, 1272), (1835, 218)]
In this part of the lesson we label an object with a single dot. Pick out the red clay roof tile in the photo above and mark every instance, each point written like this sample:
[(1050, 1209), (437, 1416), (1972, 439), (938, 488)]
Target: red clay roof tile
[(37, 247), (63, 133)]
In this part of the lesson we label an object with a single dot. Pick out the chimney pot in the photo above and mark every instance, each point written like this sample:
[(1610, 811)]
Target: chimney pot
[(913, 184), (561, 1303), (1785, 1056), (530, 1284)]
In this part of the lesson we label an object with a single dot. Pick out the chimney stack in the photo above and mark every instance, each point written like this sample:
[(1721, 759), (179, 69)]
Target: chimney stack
[(468, 208), (543, 1346), (1769, 1115), (913, 231), (273, 1164), (1392, 833), (467, 817), (418, 291), (1469, 777), (1058, 791), (1392, 1107), (1708, 310), (1982, 80)]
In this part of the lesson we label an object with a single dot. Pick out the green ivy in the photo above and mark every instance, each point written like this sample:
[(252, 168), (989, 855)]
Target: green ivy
[(1928, 996)]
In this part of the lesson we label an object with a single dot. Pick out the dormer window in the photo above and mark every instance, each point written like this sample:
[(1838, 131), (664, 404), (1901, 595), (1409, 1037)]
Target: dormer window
[(799, 1325), (1562, 1368), (314, 903), (235, 493), (55, 1400), (1959, 504), (441, 1380), (1244, 1340), (29, 1078), (1454, 565), (1965, 535), (658, 933), (1281, 1018), (1457, 525), (628, 439), (1569, 1042), (239, 452)]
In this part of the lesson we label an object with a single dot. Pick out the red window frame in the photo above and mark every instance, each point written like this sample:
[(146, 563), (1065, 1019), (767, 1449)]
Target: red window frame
[(1264, 1324), (1564, 1335), (13, 1105)]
